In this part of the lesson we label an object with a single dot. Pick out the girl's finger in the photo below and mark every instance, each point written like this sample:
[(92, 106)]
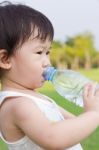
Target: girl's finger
[(86, 91), (92, 89)]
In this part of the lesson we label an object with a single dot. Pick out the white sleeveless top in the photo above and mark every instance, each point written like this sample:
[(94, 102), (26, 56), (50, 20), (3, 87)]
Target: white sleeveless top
[(50, 109)]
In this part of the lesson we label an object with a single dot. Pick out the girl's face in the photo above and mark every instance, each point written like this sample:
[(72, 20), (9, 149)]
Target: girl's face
[(29, 63)]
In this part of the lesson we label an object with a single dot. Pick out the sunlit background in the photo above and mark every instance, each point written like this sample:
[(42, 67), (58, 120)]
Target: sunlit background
[(69, 17)]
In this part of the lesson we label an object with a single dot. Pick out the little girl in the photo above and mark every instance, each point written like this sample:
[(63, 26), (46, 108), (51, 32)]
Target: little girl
[(30, 120)]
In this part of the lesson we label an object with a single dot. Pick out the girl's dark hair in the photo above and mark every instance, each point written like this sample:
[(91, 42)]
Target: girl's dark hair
[(18, 22)]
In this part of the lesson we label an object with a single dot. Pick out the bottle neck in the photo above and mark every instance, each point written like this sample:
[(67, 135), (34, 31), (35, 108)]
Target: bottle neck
[(49, 73)]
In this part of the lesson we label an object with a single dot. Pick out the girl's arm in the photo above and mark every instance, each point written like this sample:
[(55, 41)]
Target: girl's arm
[(58, 135), (66, 114)]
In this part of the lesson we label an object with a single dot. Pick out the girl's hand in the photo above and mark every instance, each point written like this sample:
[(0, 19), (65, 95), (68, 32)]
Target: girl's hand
[(91, 98)]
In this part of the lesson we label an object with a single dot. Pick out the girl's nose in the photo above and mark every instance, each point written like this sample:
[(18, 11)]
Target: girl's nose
[(46, 61)]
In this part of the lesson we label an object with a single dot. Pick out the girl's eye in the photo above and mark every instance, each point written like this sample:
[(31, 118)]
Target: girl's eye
[(40, 52), (47, 53)]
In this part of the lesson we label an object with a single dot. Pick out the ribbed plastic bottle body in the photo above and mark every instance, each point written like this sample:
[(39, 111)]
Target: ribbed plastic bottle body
[(68, 84)]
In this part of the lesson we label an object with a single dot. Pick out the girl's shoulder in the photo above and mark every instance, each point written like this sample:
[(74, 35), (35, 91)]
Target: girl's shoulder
[(15, 105)]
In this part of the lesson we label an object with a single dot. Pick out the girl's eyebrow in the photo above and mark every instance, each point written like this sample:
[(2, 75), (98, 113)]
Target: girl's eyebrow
[(44, 47), (49, 47)]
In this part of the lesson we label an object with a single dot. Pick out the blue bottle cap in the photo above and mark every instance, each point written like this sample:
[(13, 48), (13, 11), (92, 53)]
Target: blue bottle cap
[(48, 73)]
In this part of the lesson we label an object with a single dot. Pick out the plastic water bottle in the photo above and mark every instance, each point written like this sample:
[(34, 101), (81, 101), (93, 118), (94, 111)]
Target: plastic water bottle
[(68, 83)]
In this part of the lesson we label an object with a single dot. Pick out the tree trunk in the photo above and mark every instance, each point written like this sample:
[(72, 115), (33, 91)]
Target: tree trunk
[(87, 65)]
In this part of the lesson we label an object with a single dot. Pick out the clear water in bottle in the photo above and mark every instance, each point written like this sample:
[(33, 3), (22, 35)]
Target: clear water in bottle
[(68, 83)]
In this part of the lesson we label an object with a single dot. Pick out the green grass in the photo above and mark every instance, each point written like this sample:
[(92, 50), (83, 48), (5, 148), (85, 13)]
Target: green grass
[(92, 74), (91, 143), (2, 145)]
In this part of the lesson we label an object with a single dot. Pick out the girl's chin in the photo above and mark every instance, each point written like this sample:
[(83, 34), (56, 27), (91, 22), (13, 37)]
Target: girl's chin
[(40, 85)]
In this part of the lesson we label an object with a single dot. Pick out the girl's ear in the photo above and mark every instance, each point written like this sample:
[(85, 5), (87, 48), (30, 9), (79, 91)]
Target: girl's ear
[(4, 60)]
